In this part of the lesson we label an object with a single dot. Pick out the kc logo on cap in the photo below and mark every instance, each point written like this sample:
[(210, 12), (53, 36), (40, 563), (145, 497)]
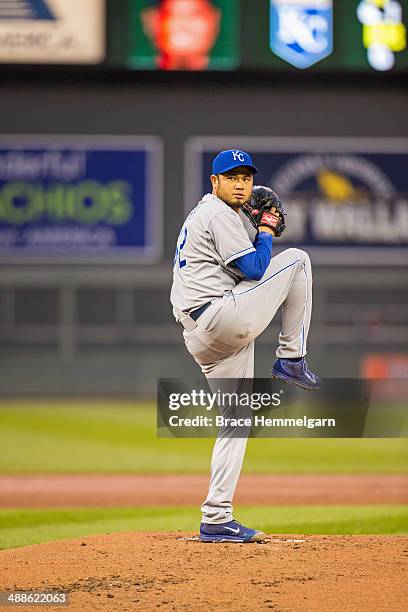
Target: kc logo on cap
[(238, 155), (232, 158)]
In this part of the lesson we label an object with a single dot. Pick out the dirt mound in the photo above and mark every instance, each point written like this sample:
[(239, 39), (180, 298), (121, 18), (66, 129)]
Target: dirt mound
[(145, 571)]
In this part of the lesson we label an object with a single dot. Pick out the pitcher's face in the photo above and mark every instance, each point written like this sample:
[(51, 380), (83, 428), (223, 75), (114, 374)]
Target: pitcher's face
[(233, 187)]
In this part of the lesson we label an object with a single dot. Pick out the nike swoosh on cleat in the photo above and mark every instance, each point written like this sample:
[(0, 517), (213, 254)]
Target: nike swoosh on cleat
[(233, 530)]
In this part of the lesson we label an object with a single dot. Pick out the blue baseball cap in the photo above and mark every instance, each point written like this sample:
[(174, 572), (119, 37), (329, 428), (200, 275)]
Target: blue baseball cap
[(232, 158)]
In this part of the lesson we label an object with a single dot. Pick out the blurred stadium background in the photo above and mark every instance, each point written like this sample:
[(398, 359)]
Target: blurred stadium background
[(110, 113), (84, 306)]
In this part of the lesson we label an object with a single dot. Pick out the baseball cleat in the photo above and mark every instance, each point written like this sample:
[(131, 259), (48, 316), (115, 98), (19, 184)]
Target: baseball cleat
[(230, 532), (296, 372)]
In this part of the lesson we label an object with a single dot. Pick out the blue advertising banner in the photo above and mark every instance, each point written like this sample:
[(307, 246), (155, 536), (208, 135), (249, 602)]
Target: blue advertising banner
[(79, 198), (346, 199)]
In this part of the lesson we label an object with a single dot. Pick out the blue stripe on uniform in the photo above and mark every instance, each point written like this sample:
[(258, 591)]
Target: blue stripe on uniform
[(304, 316), (234, 256), (269, 278)]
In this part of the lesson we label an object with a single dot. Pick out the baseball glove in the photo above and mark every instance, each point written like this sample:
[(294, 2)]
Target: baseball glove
[(265, 208)]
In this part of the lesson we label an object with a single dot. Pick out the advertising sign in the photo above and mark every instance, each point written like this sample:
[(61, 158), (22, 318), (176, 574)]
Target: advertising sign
[(346, 199), (180, 35), (52, 31), (80, 198)]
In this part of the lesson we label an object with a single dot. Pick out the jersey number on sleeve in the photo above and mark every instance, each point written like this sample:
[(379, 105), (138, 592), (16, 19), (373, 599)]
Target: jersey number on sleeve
[(180, 245)]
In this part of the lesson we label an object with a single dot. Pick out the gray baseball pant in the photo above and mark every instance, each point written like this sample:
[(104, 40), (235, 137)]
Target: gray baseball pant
[(222, 344)]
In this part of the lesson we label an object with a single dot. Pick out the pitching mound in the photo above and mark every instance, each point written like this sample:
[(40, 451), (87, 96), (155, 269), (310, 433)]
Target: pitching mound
[(145, 571)]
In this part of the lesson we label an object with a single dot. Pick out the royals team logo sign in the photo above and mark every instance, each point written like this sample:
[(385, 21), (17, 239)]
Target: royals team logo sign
[(301, 31)]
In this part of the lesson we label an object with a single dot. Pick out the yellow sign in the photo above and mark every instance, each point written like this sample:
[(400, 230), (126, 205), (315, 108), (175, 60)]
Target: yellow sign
[(383, 31)]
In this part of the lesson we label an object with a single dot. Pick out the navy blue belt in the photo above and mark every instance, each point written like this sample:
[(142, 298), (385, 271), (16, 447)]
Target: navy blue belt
[(194, 314)]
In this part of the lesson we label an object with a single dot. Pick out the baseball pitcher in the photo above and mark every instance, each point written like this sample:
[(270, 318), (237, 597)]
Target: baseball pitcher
[(226, 290)]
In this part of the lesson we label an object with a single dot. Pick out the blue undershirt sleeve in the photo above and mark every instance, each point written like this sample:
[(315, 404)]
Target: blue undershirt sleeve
[(254, 264)]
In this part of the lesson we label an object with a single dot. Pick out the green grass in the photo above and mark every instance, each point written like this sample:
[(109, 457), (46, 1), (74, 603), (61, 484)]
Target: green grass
[(118, 436), (23, 527)]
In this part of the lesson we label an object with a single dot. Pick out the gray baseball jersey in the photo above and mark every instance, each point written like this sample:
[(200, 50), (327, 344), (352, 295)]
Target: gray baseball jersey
[(222, 343), (212, 237)]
